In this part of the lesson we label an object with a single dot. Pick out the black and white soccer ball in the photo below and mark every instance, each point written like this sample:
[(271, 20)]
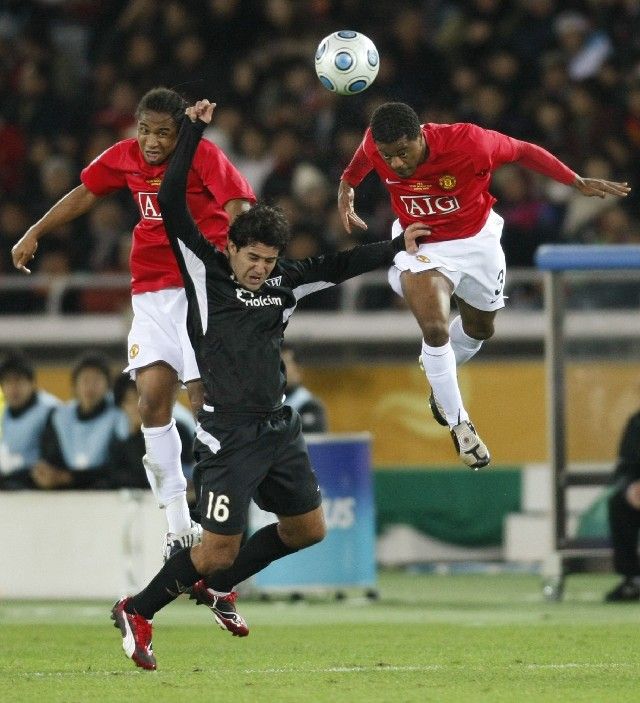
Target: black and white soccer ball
[(347, 62)]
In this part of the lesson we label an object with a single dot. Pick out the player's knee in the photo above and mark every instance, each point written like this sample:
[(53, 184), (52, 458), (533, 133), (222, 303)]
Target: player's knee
[(481, 331), (306, 536), (316, 534), (435, 332), (207, 560), (155, 410)]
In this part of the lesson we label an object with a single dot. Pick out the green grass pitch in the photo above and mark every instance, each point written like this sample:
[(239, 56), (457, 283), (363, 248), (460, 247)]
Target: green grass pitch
[(462, 638)]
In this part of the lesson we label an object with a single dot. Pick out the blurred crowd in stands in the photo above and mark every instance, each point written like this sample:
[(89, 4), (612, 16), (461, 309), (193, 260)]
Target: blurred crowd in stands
[(92, 441), (562, 74)]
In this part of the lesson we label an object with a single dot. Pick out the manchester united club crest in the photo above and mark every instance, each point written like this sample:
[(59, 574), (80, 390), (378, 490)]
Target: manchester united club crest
[(447, 182), (134, 351)]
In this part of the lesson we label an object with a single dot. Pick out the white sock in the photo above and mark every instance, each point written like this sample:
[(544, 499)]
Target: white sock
[(440, 368), (178, 515), (164, 470), (464, 347)]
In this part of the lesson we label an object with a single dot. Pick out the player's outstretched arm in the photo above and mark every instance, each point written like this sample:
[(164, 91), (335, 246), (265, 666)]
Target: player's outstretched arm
[(331, 269), (172, 195), (345, 207), (68, 208), (597, 187)]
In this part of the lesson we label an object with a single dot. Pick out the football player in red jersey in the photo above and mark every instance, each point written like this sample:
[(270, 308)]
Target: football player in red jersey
[(439, 174), (160, 354)]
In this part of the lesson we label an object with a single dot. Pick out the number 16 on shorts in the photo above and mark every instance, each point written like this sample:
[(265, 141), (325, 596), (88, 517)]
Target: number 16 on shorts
[(218, 507)]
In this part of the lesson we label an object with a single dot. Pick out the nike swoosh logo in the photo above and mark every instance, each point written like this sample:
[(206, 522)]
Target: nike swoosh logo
[(391, 182)]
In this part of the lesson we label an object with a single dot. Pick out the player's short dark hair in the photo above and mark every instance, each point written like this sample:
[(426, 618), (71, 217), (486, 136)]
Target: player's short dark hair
[(392, 121), (163, 100), (16, 363), (262, 224), (121, 385), (91, 361)]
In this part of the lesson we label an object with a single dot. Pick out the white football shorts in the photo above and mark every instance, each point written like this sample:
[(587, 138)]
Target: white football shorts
[(475, 265), (159, 333)]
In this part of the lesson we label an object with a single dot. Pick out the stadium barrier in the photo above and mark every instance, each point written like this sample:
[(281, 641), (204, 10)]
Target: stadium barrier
[(79, 544), (346, 557), (571, 554), (103, 544)]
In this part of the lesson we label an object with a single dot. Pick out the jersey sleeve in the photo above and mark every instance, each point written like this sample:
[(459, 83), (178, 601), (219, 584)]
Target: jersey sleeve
[(172, 199), (359, 166), (306, 276), (503, 149), (103, 175), (219, 176)]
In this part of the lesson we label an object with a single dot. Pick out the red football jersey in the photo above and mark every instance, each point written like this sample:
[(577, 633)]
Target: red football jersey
[(212, 182), (450, 191)]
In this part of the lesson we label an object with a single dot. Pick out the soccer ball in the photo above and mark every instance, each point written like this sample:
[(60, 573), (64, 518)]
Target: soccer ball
[(347, 62)]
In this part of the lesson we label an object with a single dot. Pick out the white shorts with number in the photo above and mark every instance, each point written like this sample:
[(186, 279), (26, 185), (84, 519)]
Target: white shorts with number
[(159, 333), (475, 265)]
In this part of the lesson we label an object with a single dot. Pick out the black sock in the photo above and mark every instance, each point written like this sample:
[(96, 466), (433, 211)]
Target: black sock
[(173, 579), (263, 547)]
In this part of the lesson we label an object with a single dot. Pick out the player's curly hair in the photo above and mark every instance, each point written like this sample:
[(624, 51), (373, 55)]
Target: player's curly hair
[(262, 224), (392, 121), (163, 100)]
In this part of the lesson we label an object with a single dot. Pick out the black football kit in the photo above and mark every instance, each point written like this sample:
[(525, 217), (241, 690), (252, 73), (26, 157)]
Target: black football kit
[(248, 443)]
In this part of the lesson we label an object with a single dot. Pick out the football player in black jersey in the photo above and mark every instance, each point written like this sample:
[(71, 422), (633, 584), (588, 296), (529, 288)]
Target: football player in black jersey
[(249, 443)]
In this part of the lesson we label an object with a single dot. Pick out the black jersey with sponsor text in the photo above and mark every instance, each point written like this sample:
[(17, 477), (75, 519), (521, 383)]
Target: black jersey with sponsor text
[(237, 333)]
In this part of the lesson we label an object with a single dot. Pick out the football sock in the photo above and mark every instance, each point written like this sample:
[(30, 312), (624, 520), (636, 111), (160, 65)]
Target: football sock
[(440, 368), (464, 347), (177, 574), (263, 547), (164, 471), (177, 513)]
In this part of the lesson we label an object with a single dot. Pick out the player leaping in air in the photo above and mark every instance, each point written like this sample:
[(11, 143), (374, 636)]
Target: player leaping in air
[(439, 175), (160, 354), (249, 444)]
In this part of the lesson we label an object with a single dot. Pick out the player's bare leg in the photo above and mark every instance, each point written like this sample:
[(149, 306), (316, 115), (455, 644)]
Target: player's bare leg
[(300, 531), (428, 295), (157, 389), (477, 325)]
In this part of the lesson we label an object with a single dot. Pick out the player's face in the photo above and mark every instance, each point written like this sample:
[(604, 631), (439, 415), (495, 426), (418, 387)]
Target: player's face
[(253, 264), (157, 136), (404, 155), (17, 390)]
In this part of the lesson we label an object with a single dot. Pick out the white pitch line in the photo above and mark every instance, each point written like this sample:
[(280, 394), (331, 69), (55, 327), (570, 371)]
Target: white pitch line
[(352, 669)]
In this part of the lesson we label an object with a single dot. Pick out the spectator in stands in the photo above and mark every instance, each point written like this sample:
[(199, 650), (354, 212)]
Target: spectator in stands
[(624, 515), (127, 454), (308, 406), (25, 414), (79, 435), (584, 48), (566, 71)]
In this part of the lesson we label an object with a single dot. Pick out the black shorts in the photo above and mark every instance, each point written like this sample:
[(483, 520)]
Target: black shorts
[(241, 457)]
